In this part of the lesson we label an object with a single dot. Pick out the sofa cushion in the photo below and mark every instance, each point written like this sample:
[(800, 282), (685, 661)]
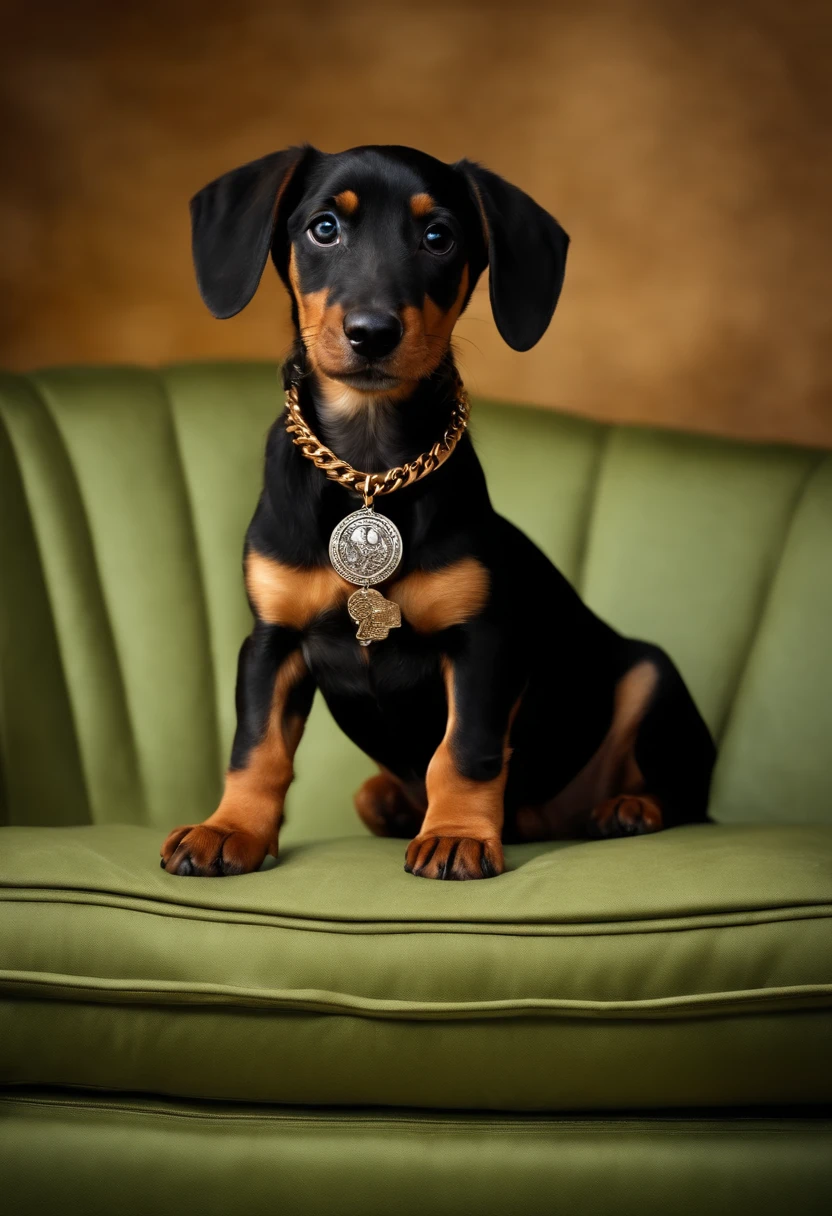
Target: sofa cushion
[(82, 1154), (689, 968)]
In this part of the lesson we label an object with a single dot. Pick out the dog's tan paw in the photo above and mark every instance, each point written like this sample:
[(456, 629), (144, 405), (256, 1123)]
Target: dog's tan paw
[(454, 857), (212, 852), (626, 815), (385, 808)]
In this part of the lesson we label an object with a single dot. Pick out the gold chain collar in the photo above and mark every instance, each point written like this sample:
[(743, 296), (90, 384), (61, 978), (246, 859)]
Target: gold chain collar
[(372, 485)]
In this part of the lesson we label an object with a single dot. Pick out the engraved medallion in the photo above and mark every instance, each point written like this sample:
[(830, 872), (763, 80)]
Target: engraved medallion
[(365, 548)]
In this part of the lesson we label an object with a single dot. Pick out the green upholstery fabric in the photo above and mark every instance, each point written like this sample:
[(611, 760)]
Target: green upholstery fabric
[(688, 968), (124, 495), (91, 1156)]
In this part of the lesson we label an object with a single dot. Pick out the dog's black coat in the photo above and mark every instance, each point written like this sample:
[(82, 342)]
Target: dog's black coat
[(534, 647)]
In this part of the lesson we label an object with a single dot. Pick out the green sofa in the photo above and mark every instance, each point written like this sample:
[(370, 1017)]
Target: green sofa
[(626, 1026)]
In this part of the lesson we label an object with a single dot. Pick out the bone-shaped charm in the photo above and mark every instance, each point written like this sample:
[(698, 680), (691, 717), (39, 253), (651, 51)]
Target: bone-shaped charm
[(374, 615)]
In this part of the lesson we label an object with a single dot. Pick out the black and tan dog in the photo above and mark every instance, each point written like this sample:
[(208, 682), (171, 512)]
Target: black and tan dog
[(489, 723)]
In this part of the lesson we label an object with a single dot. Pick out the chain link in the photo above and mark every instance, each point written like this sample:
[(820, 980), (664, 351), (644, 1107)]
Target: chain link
[(372, 485)]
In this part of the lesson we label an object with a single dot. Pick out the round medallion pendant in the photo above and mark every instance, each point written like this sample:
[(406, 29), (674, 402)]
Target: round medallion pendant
[(365, 548)]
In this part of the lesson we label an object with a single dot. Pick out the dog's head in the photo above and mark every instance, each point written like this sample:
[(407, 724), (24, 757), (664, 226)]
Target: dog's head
[(380, 248)]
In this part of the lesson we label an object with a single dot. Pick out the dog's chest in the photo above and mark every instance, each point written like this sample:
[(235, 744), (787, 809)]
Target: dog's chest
[(388, 697), (341, 665)]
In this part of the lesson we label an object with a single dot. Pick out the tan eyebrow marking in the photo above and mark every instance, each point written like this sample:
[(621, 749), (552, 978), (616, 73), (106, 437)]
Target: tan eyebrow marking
[(347, 201), (421, 204)]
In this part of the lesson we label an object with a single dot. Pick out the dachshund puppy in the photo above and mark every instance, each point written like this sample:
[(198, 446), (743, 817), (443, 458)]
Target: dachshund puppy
[(487, 724)]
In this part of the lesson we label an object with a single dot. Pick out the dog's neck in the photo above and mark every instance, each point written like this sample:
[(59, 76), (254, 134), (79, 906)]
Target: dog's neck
[(376, 433)]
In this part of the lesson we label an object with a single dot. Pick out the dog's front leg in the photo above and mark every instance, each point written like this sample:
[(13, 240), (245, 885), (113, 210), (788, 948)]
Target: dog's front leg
[(466, 778), (274, 695)]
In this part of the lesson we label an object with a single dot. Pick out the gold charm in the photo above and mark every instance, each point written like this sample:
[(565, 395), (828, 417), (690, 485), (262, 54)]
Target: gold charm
[(374, 615)]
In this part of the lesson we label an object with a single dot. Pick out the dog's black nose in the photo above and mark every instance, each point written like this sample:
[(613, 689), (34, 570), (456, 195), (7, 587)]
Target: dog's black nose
[(372, 334)]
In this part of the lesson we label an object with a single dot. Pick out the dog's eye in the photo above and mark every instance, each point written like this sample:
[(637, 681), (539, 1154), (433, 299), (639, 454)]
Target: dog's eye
[(438, 238), (325, 230)]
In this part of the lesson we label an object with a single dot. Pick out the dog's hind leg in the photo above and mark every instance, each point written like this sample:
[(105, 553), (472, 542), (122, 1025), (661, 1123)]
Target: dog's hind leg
[(665, 769), (651, 771), (388, 808)]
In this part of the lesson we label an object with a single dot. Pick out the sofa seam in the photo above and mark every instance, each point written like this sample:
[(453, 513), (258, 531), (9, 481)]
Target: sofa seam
[(21, 984), (43, 396), (608, 432), (474, 928), (769, 581), (36, 390), (199, 563), (525, 1122)]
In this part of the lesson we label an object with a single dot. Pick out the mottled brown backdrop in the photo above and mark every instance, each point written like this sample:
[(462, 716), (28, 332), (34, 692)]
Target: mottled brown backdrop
[(685, 146)]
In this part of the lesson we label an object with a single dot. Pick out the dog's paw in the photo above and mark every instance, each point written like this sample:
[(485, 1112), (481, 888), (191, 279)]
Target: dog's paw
[(454, 857), (626, 815), (385, 808), (211, 852)]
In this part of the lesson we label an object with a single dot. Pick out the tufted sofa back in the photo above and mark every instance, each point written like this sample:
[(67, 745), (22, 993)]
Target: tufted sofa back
[(124, 496)]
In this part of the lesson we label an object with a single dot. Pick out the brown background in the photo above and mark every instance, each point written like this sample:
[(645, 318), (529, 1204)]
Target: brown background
[(685, 146)]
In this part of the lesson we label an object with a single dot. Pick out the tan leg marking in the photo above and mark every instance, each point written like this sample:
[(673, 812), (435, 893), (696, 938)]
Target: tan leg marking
[(434, 600), (254, 795), (289, 595), (245, 826), (460, 835), (611, 771)]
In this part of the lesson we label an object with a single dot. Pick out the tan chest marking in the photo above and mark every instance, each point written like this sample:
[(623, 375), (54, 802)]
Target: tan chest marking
[(289, 595), (436, 600)]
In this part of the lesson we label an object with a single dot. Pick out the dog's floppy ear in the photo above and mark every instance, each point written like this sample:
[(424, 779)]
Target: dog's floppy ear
[(233, 221), (526, 256)]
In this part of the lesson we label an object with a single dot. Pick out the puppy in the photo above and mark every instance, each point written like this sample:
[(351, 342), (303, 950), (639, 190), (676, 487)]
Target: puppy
[(486, 725)]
